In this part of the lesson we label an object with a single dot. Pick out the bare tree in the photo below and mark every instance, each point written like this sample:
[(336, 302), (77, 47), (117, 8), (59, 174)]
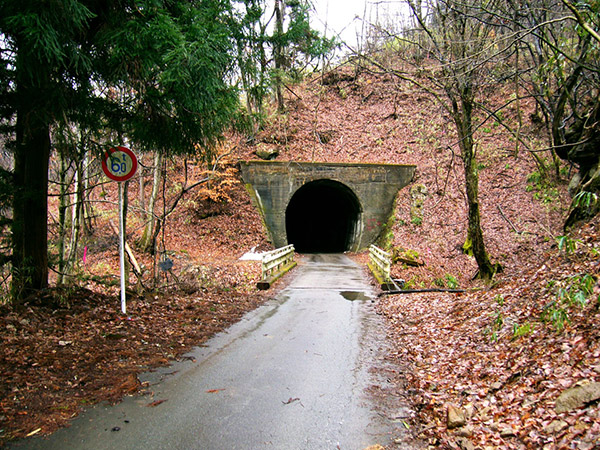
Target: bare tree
[(561, 41), (148, 239), (458, 41), (548, 49)]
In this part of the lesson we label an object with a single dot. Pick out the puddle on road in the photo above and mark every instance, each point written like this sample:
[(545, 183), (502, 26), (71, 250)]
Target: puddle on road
[(354, 295)]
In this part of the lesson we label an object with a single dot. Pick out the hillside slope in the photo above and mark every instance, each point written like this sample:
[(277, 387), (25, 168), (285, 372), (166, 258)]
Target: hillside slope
[(358, 116), (499, 356)]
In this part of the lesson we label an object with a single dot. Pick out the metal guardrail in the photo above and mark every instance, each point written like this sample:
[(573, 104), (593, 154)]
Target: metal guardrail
[(380, 263), (275, 263)]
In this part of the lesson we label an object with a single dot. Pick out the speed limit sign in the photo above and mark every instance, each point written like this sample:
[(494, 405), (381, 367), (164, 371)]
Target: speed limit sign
[(119, 164)]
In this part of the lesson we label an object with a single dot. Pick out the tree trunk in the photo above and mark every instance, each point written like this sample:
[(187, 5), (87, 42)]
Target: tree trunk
[(33, 82), (278, 53), (125, 204), (147, 240), (560, 107), (463, 119), (30, 201), (142, 186), (88, 210), (62, 217), (517, 84), (76, 217)]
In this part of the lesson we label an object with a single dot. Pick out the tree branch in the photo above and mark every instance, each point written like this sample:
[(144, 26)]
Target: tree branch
[(579, 18)]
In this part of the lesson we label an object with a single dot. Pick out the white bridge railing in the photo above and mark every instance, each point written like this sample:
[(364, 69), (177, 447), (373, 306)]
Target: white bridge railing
[(274, 264), (380, 263)]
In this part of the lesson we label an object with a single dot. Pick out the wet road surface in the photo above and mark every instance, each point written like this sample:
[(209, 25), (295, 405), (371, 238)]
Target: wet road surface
[(291, 375)]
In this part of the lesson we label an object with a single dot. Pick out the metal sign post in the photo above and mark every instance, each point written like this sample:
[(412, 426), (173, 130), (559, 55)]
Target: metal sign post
[(122, 250), (120, 164)]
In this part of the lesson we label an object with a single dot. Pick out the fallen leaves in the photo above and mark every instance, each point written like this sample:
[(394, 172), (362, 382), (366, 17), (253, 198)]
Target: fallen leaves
[(536, 390), (130, 384), (458, 350), (155, 403), (55, 362)]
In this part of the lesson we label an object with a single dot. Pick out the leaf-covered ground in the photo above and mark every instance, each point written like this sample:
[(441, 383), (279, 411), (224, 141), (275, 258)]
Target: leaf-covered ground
[(504, 355), (72, 347), (497, 357), (56, 361)]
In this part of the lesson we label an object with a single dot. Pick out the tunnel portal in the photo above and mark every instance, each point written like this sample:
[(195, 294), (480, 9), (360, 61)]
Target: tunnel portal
[(323, 216), (324, 207)]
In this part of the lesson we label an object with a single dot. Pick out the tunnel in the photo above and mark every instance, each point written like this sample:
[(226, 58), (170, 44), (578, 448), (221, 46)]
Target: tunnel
[(323, 216)]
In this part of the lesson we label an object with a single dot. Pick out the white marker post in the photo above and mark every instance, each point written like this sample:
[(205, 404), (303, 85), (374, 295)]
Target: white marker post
[(120, 164), (122, 250)]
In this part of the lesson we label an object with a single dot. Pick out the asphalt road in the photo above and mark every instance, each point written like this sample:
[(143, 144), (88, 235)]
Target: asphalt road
[(293, 374)]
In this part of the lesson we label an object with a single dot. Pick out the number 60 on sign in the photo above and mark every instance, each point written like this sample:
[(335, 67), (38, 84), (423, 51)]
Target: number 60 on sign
[(119, 164)]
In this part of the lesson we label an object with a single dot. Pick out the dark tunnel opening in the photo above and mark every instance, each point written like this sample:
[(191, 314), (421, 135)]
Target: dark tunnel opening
[(322, 217)]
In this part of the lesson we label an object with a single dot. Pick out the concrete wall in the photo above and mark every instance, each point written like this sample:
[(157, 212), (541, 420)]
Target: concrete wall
[(272, 184)]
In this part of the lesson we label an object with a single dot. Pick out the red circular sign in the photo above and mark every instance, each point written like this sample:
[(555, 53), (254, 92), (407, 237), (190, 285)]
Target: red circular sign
[(119, 164)]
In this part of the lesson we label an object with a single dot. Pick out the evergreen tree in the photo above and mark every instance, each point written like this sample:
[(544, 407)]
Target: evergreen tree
[(275, 43), (153, 70)]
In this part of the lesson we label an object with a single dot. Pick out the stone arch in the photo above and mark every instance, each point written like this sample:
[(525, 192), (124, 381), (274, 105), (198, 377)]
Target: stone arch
[(271, 185), (323, 216)]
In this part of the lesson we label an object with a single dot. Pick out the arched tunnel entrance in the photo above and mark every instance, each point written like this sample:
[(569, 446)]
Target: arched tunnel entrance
[(323, 216)]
